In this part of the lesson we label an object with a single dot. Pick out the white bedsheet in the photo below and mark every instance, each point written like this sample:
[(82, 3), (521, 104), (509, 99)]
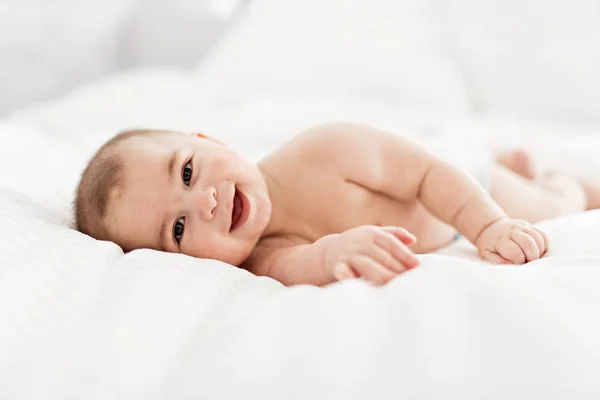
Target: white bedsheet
[(78, 319)]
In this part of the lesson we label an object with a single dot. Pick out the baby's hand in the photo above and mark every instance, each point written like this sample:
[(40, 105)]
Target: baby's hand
[(376, 254), (511, 241)]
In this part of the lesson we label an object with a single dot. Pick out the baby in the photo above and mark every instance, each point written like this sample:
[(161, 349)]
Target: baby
[(338, 201)]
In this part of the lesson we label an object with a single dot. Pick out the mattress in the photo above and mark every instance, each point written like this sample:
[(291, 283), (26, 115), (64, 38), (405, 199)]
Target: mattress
[(79, 319)]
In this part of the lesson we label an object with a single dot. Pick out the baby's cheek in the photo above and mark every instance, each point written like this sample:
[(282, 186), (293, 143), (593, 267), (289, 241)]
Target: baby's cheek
[(236, 252), (218, 168), (209, 245)]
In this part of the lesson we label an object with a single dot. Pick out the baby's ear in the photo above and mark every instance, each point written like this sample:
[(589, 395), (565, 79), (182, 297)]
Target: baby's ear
[(203, 136)]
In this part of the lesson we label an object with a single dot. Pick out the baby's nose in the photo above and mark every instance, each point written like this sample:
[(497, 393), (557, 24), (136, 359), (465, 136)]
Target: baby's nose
[(208, 203)]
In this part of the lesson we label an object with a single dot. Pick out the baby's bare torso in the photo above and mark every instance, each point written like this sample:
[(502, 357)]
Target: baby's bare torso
[(313, 199)]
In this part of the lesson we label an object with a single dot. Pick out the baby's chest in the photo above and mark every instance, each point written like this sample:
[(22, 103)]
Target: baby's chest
[(326, 205)]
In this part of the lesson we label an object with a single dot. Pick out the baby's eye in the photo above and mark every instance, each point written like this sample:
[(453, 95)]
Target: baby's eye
[(178, 229), (186, 174)]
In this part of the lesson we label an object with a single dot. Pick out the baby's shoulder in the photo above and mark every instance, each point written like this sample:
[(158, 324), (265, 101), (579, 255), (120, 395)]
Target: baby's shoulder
[(337, 149), (335, 142), (345, 134)]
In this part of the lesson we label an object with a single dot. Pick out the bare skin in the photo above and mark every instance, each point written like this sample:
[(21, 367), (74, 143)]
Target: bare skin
[(518, 161), (339, 201), (522, 163)]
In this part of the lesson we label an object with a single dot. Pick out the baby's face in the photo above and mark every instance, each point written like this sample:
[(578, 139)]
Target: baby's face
[(185, 194)]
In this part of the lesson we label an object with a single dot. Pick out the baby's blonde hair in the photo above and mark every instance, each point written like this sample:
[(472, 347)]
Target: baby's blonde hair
[(102, 174)]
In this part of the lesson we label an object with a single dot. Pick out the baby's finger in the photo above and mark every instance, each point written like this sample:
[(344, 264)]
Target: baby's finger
[(369, 269), (537, 236), (343, 271), (527, 245), (386, 258), (511, 251), (546, 240), (397, 249), (493, 257), (405, 236)]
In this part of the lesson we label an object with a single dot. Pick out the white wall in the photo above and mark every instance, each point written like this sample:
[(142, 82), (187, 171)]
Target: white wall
[(49, 47)]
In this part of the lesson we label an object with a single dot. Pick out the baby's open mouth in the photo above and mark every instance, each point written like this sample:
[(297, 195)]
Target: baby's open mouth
[(239, 211)]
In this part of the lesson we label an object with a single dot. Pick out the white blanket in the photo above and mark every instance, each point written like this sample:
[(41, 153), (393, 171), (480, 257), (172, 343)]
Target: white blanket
[(78, 319)]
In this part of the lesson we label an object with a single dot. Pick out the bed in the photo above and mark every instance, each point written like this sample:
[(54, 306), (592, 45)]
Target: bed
[(80, 319)]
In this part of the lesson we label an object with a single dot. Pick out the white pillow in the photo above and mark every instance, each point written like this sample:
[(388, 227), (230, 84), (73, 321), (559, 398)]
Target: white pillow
[(376, 50), (50, 47), (530, 57)]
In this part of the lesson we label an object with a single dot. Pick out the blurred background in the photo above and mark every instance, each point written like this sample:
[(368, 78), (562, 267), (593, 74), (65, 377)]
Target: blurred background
[(49, 47), (532, 59)]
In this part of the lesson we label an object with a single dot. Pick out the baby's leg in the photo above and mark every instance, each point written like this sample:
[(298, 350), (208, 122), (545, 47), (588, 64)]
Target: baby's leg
[(546, 197), (523, 194), (519, 162), (592, 193)]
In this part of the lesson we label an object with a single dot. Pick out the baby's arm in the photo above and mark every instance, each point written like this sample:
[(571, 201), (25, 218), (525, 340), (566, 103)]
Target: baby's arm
[(374, 253), (290, 262), (402, 169)]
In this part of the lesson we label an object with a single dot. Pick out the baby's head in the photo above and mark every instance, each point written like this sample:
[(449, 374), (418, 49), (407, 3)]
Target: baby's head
[(174, 192)]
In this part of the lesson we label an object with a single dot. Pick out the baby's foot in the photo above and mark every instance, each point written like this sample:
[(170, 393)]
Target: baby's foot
[(592, 194), (519, 162)]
